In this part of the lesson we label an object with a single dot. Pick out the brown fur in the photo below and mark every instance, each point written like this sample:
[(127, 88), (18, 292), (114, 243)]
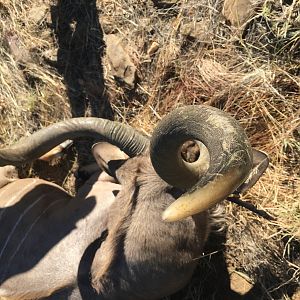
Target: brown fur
[(141, 258), (117, 225), (126, 231)]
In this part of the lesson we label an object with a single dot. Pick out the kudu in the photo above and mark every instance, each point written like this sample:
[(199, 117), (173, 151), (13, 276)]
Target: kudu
[(133, 234)]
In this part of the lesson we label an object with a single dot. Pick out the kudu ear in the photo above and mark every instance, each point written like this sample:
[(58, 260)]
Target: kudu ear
[(260, 164), (108, 157)]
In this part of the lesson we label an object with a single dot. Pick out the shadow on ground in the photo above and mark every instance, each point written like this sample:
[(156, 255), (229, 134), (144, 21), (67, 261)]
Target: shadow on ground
[(79, 60), (80, 50), (211, 280)]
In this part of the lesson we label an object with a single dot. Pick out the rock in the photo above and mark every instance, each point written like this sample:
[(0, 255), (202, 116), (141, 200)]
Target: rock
[(296, 296), (153, 48), (238, 12), (239, 284), (38, 13), (108, 25), (121, 65), (15, 47), (196, 30)]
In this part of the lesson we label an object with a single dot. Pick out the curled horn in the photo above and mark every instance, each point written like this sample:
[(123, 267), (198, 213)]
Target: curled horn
[(225, 153), (224, 145), (34, 146)]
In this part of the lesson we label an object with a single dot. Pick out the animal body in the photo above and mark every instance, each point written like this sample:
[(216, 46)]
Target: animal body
[(134, 231)]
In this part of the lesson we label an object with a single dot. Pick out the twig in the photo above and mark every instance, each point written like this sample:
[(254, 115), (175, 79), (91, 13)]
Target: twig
[(236, 199)]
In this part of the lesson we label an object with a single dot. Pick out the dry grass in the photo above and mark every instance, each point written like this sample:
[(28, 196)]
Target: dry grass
[(253, 75), (30, 91)]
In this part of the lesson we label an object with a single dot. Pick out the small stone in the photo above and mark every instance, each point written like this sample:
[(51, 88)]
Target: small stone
[(296, 296), (239, 284), (15, 47), (153, 48), (121, 65), (238, 12), (108, 25), (38, 13), (196, 30)]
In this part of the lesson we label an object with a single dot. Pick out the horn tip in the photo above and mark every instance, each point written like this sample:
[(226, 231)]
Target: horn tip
[(171, 215)]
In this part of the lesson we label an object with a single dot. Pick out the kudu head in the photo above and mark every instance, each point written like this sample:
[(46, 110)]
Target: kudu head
[(224, 162)]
